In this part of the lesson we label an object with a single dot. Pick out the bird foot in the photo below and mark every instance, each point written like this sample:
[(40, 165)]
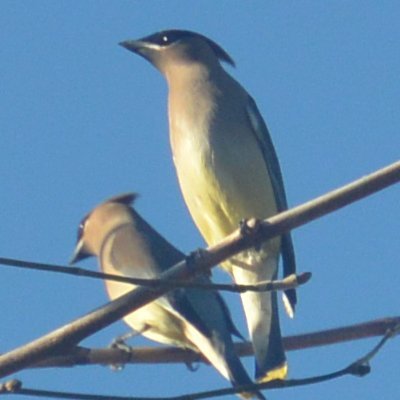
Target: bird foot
[(250, 227), (195, 257), (120, 343), (192, 366)]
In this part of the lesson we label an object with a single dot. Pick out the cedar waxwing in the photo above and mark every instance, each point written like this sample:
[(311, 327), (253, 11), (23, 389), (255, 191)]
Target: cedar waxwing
[(227, 170), (125, 244)]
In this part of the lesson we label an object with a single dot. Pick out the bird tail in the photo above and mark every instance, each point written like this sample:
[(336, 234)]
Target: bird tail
[(220, 352), (238, 376), (262, 317)]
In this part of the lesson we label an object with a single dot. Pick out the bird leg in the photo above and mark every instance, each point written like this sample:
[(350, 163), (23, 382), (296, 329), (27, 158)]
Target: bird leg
[(120, 341)]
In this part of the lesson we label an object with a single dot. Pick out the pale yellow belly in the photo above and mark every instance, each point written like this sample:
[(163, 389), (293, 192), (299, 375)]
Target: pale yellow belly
[(153, 321), (221, 189)]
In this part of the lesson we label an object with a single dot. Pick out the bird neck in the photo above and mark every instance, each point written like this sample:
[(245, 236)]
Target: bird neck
[(182, 75)]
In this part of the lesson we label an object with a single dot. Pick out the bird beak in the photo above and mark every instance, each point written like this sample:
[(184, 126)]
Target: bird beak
[(148, 51), (137, 46), (79, 253)]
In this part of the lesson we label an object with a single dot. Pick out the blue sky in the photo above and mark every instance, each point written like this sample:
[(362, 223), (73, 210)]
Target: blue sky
[(82, 119)]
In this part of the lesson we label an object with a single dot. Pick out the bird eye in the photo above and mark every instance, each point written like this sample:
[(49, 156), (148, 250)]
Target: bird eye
[(166, 38), (81, 228)]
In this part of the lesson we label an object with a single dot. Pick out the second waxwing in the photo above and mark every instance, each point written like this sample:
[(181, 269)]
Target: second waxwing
[(125, 244)]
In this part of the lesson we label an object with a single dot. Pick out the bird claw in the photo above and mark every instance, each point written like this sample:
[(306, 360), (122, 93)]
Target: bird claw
[(120, 343), (192, 366), (195, 257), (250, 227)]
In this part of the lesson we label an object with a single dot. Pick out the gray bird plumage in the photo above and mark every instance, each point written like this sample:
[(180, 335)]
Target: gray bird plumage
[(125, 244)]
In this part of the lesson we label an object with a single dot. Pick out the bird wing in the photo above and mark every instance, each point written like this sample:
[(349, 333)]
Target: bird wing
[(200, 307), (141, 252), (207, 313), (260, 130)]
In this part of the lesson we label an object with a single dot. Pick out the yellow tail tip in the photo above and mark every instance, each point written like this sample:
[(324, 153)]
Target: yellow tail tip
[(276, 373), (247, 396)]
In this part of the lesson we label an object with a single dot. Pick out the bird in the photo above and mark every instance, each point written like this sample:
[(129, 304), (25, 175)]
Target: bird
[(126, 245), (228, 172)]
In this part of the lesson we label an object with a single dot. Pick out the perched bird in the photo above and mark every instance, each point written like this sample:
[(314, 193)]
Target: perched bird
[(125, 244), (228, 171)]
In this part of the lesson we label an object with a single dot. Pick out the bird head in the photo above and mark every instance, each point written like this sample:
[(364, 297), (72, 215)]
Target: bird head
[(176, 47), (96, 225)]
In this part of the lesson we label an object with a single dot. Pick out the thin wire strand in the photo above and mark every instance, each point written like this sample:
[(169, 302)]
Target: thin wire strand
[(289, 282)]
